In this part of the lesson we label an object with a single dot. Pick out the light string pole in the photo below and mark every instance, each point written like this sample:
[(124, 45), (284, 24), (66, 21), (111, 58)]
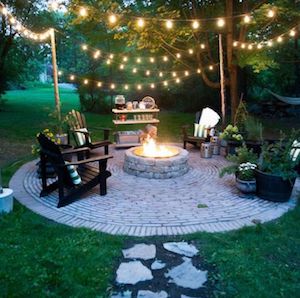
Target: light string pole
[(222, 81), (55, 76)]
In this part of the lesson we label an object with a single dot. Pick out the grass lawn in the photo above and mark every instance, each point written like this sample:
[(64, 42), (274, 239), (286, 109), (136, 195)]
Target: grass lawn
[(42, 258)]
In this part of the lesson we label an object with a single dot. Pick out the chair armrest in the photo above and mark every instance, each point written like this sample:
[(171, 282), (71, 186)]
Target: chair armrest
[(84, 161), (100, 128), (71, 151)]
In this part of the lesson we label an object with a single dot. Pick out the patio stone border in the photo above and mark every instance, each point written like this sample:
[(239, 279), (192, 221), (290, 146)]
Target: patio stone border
[(199, 201)]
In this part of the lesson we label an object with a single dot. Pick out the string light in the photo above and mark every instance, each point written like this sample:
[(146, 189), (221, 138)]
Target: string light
[(121, 66), (174, 74), (235, 43), (152, 86), (221, 23), (112, 86), (125, 59), (186, 73), (138, 60), (111, 56), (134, 70), (152, 60), (148, 73), (211, 67), (259, 46), (178, 55), (108, 62), (72, 77), (247, 19), (86, 82), (270, 43), (165, 83), (202, 46), (83, 12), (169, 24), (195, 25), (250, 47), (139, 87), (177, 81), (126, 87), (271, 13), (191, 51), (198, 70), (280, 39), (97, 54), (161, 74), (99, 84), (165, 58), (141, 23), (112, 19), (84, 47), (292, 33), (60, 73)]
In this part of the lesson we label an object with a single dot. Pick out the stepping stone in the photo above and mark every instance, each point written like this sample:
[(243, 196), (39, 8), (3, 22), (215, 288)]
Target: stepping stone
[(157, 264), (186, 275), (140, 251), (126, 294), (181, 248), (149, 294), (132, 273)]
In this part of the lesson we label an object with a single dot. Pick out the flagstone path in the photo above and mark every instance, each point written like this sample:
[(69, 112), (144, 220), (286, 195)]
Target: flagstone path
[(196, 201), (181, 276)]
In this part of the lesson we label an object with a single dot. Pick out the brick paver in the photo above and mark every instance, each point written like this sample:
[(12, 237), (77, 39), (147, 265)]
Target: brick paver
[(144, 207)]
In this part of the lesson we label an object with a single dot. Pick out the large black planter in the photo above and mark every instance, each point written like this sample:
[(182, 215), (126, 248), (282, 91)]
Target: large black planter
[(273, 188)]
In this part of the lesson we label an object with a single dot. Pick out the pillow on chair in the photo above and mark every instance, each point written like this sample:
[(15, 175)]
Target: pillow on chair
[(76, 179), (81, 137)]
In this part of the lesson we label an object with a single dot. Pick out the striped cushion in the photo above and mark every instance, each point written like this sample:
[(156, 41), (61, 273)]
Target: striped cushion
[(74, 175), (80, 137), (295, 150)]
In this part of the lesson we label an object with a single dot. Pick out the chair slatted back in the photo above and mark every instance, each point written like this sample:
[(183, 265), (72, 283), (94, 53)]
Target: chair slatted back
[(77, 120), (55, 157)]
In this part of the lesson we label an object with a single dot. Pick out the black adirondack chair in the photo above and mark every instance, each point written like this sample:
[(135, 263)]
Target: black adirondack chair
[(77, 125), (187, 137), (90, 176)]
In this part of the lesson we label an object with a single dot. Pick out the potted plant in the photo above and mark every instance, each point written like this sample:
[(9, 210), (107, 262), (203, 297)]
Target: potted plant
[(57, 124), (233, 139), (276, 174), (253, 134), (243, 166)]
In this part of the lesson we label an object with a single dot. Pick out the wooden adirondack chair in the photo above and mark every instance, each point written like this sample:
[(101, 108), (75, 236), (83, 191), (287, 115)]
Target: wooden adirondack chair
[(90, 176), (188, 138), (82, 136)]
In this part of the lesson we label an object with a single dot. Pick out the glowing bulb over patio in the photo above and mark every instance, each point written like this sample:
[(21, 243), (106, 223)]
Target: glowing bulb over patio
[(86, 82), (112, 86), (83, 12), (178, 55), (112, 19), (221, 23), (161, 74), (271, 13), (177, 81), (195, 25), (139, 87), (247, 19), (191, 51), (169, 24), (165, 83), (165, 58), (186, 73), (202, 46), (292, 33), (72, 77), (99, 84), (152, 60), (138, 60), (152, 86), (134, 70), (122, 66), (125, 59), (84, 47), (280, 39), (148, 73), (141, 23), (126, 87)]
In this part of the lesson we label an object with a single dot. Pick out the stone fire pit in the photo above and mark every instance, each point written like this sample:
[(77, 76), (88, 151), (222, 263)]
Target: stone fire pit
[(156, 168)]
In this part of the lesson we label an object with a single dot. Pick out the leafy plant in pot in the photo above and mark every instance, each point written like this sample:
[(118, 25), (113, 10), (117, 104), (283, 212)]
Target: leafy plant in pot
[(276, 174), (243, 166), (253, 134), (232, 137)]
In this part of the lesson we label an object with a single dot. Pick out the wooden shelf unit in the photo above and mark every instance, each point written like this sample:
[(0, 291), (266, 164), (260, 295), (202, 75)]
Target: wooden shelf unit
[(116, 121)]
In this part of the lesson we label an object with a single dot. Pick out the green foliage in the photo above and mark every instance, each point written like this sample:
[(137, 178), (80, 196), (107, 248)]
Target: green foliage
[(254, 129), (231, 133), (241, 116), (243, 155), (246, 171), (276, 158)]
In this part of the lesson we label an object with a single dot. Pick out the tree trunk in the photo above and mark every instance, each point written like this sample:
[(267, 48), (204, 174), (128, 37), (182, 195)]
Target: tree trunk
[(232, 68)]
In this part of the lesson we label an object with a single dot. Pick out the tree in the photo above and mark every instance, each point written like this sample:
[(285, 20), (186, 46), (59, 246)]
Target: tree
[(156, 38)]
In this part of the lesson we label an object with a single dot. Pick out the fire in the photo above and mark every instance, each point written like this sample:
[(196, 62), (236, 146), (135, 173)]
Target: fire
[(151, 149)]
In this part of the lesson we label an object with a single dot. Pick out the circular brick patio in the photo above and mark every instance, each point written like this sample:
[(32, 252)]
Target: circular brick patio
[(196, 201)]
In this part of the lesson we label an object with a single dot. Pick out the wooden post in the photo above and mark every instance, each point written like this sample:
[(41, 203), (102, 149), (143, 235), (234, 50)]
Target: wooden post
[(222, 81), (55, 76)]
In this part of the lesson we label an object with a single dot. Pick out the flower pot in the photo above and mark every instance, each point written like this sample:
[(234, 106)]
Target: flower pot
[(6, 201), (63, 138), (245, 186), (273, 188), (232, 146)]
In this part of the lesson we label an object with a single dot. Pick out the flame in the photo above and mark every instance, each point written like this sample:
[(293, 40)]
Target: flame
[(151, 149)]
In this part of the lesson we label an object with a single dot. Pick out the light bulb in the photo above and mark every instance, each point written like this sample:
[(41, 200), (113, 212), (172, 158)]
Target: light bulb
[(178, 55), (174, 74), (211, 67), (191, 51), (134, 70), (99, 84), (111, 56), (152, 86), (292, 33), (169, 24), (235, 43), (12, 20), (243, 46), (84, 47), (250, 47), (125, 59), (86, 82), (112, 19), (202, 46), (82, 12), (247, 19), (221, 23), (165, 83), (195, 25), (165, 58), (148, 73), (152, 60), (279, 39), (259, 46), (177, 81), (141, 23), (122, 66), (126, 87), (161, 74), (271, 13), (186, 73), (60, 73), (270, 43), (108, 62), (112, 86), (198, 70), (138, 60), (72, 77), (139, 87)]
